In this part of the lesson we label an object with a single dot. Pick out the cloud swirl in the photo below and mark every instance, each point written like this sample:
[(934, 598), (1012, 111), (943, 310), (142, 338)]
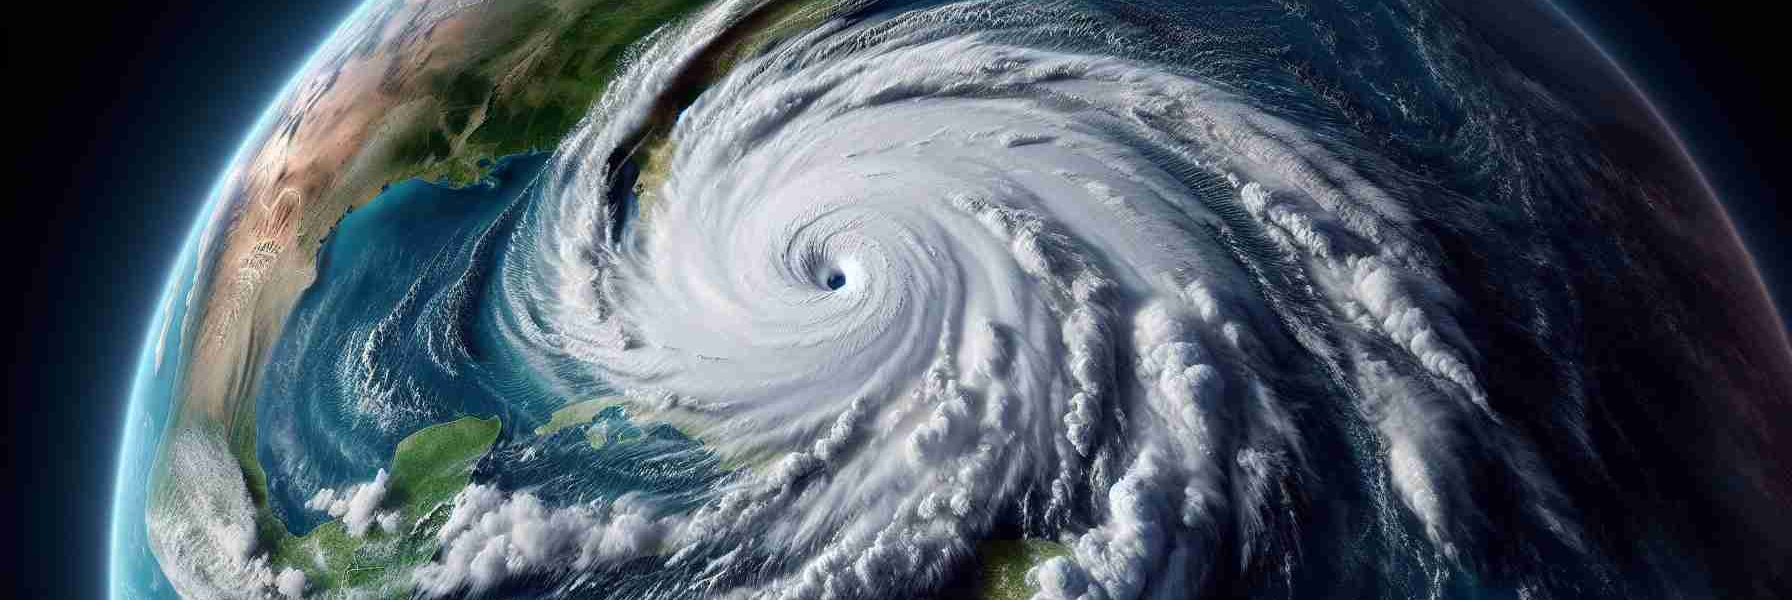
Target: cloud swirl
[(942, 276)]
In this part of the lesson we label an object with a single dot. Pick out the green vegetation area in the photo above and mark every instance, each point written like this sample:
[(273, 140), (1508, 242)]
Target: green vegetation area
[(1004, 566), (536, 68), (575, 414), (774, 23), (606, 422), (612, 420), (533, 70), (428, 469), (430, 466), (777, 22)]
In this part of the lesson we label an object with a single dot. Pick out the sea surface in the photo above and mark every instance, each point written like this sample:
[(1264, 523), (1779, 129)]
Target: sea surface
[(404, 329), (1476, 341)]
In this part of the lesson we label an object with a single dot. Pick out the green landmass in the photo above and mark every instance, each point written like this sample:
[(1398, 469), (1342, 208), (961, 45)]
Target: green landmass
[(606, 420), (577, 413), (604, 435), (532, 73), (774, 23), (536, 69), (611, 420), (1005, 563), (428, 469)]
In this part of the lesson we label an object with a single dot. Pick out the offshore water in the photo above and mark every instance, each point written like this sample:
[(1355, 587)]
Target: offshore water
[(360, 366), (401, 331), (1542, 241)]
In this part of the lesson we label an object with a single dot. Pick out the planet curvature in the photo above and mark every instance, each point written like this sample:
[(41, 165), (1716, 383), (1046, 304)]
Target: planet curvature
[(1092, 299)]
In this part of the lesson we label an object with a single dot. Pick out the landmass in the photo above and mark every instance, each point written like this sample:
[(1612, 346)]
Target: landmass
[(775, 23), (575, 414), (1004, 565), (412, 88), (416, 89), (629, 420), (439, 91), (434, 90), (428, 469)]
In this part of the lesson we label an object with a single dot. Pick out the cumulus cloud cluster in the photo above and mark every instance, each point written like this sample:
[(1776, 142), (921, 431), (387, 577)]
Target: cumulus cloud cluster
[(357, 505), (202, 526), (953, 281), (491, 536), (291, 583)]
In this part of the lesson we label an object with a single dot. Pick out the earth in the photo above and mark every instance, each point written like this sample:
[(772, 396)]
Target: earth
[(995, 299)]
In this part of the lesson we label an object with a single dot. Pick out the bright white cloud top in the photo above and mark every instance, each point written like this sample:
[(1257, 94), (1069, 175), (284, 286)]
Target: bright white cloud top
[(1095, 300)]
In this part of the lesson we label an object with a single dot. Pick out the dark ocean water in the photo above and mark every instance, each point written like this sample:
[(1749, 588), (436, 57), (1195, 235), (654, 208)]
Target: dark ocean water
[(1556, 235)]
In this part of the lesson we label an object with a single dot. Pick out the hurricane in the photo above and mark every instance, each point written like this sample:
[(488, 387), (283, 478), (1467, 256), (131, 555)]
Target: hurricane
[(1075, 299), (989, 266)]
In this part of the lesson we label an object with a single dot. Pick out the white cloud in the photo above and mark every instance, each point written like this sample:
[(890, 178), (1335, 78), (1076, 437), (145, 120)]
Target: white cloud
[(291, 583), (490, 536), (357, 505), (1155, 328), (202, 528)]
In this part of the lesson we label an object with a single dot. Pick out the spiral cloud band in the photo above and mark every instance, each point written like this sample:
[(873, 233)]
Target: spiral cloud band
[(925, 276), (939, 280)]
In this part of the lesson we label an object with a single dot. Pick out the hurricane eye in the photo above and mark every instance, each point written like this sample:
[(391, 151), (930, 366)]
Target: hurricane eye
[(836, 280)]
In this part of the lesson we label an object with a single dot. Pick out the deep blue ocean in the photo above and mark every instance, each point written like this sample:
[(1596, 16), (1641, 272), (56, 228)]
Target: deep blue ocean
[(1552, 246), (401, 331)]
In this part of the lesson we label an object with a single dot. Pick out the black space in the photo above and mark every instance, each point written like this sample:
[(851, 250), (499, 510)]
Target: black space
[(129, 113)]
